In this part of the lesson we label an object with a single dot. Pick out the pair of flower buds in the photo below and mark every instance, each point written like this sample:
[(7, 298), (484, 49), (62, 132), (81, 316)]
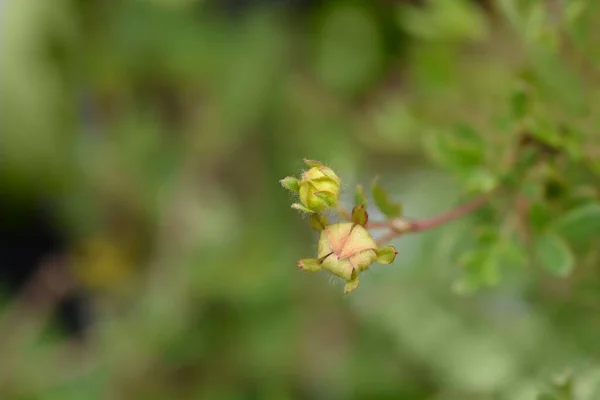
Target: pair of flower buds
[(345, 249)]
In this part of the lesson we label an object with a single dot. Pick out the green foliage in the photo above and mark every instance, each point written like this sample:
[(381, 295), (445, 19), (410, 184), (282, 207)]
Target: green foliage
[(360, 196), (382, 200), (155, 131), (554, 254), (580, 224)]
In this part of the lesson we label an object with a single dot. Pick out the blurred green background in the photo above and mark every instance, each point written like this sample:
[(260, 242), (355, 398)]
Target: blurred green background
[(141, 146)]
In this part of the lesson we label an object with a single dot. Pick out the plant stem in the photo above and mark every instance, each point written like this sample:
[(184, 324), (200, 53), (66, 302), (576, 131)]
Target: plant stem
[(379, 224), (400, 226), (455, 213)]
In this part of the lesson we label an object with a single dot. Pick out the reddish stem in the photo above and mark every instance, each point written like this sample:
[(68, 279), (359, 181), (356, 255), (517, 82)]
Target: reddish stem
[(418, 226), (378, 225), (456, 213)]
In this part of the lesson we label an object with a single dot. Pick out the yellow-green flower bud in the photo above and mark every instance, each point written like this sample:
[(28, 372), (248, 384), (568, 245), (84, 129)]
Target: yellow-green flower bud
[(350, 248), (319, 188), (345, 250)]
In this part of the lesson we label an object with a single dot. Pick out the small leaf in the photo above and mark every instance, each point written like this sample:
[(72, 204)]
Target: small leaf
[(360, 215), (290, 183), (313, 163), (554, 254), (328, 198), (386, 254), (383, 202), (581, 223), (318, 222), (300, 207), (360, 197), (309, 264)]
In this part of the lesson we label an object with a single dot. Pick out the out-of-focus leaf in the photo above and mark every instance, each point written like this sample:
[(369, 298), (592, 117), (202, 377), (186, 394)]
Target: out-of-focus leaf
[(519, 103), (539, 215), (348, 47), (554, 254), (360, 197), (460, 149), (444, 20), (382, 200), (581, 223)]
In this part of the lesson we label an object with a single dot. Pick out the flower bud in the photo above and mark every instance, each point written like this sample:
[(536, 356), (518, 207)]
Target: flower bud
[(345, 250), (319, 188)]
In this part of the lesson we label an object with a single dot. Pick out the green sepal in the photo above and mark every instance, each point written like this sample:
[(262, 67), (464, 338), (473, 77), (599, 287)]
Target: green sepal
[(383, 202), (318, 222), (360, 215), (360, 197), (328, 172), (300, 207), (309, 264), (386, 254), (313, 163), (329, 198), (290, 183), (352, 284)]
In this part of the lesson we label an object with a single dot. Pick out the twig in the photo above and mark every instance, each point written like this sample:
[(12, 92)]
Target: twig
[(456, 213), (379, 225), (400, 226)]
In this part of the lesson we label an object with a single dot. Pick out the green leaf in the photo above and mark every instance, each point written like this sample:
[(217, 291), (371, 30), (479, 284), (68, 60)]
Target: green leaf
[(554, 254), (383, 202), (360, 197), (461, 148), (581, 223)]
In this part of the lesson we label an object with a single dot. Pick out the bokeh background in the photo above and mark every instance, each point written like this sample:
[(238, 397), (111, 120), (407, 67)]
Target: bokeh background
[(147, 250)]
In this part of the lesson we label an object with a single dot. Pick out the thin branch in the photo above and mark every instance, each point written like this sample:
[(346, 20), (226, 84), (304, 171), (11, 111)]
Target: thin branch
[(379, 225), (456, 213), (400, 226)]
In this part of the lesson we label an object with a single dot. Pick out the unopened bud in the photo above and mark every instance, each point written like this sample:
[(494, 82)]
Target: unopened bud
[(346, 249), (318, 188)]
